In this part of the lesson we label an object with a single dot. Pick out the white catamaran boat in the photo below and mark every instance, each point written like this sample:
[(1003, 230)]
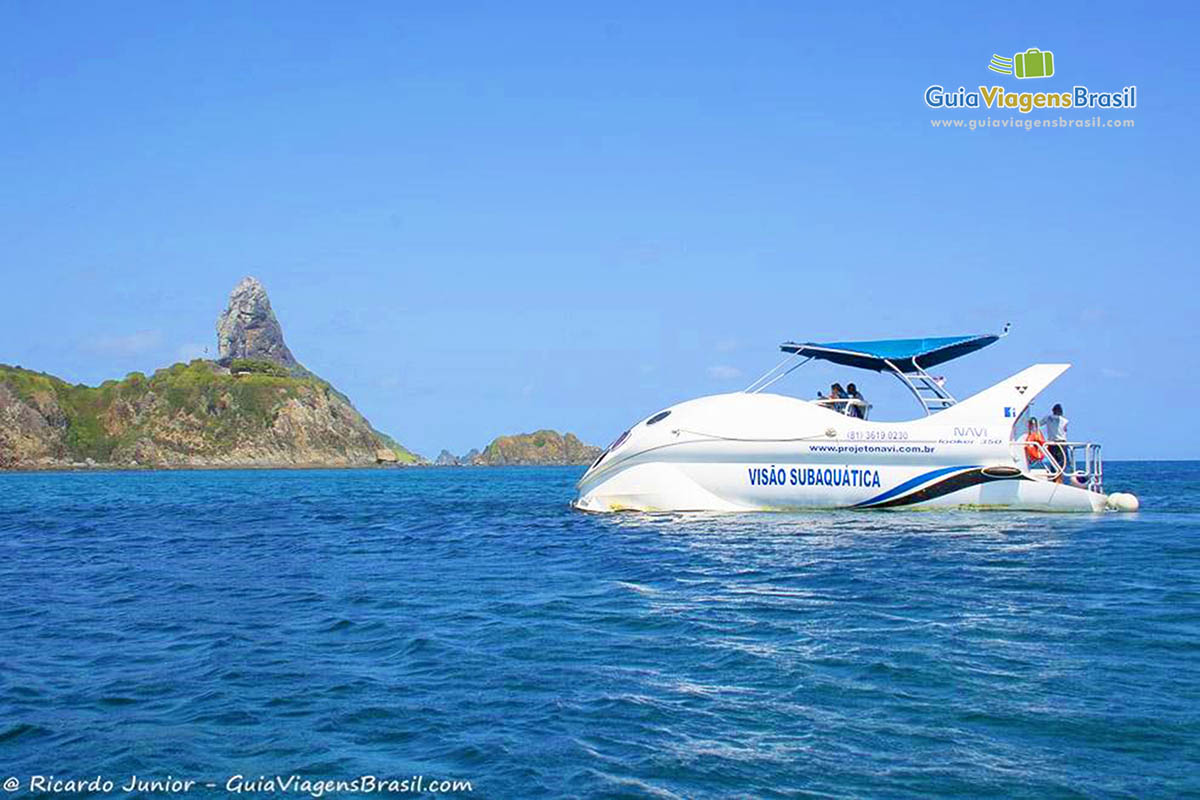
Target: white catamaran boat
[(753, 450)]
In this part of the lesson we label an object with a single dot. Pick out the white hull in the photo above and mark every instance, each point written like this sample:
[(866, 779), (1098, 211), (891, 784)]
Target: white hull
[(760, 452), (665, 486)]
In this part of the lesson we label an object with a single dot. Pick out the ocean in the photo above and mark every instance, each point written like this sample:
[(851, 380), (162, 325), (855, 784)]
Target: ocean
[(432, 625)]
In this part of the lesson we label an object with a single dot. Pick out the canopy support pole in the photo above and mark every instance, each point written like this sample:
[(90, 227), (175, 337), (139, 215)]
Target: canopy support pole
[(929, 393), (759, 384)]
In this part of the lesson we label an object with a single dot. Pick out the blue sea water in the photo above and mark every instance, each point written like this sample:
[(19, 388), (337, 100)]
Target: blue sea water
[(466, 624)]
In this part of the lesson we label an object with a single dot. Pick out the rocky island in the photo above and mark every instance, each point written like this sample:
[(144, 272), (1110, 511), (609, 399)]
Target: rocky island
[(255, 406), (541, 448)]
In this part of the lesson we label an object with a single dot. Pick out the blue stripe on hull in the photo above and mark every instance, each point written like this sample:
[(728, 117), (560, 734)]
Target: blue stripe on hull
[(911, 484)]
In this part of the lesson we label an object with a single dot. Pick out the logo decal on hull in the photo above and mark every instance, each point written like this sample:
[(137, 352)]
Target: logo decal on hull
[(955, 478), (970, 431)]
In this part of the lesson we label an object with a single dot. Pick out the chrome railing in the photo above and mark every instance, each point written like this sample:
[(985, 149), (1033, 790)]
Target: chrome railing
[(1081, 463), (842, 405)]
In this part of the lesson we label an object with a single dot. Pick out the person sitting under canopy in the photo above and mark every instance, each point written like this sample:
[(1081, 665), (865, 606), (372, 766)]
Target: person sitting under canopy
[(855, 409)]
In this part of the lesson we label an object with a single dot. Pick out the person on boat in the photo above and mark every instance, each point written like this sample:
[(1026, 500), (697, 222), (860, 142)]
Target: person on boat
[(836, 395), (1033, 453), (1056, 431), (858, 409)]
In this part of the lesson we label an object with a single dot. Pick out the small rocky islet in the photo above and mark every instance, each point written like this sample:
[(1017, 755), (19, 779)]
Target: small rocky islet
[(545, 447), (255, 405)]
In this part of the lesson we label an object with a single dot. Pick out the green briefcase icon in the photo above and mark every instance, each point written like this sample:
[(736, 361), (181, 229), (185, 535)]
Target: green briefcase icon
[(1034, 63)]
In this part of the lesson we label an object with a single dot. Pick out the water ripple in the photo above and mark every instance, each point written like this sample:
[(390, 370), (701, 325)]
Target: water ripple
[(466, 623)]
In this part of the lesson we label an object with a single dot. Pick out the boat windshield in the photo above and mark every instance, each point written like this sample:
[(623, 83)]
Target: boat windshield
[(850, 406)]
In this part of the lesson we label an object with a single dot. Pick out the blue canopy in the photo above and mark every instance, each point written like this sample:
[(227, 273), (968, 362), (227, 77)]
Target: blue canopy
[(905, 355)]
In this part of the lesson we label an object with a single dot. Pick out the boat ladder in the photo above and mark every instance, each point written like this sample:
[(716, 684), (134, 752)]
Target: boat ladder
[(929, 391)]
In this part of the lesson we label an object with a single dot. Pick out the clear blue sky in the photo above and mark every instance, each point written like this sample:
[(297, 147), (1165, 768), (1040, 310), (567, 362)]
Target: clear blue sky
[(485, 219)]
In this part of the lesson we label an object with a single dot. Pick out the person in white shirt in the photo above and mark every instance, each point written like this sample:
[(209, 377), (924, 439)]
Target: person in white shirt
[(1055, 426)]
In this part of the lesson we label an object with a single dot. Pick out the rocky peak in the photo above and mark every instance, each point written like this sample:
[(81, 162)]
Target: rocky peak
[(247, 328)]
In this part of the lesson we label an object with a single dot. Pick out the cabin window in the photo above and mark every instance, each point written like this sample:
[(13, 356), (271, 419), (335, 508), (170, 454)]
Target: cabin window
[(659, 417), (620, 440)]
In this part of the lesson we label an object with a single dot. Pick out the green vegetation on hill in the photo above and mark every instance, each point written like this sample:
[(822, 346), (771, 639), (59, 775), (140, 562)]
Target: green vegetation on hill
[(541, 447), (403, 454), (258, 366), (186, 413)]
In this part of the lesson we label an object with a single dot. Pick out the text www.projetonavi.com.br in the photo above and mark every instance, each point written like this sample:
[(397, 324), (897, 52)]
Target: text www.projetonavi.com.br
[(857, 449), (1061, 123)]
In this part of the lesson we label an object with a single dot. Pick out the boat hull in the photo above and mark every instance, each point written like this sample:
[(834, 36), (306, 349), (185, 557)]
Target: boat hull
[(752, 486)]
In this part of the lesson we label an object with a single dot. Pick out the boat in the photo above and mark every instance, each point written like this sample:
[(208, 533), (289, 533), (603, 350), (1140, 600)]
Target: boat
[(755, 450)]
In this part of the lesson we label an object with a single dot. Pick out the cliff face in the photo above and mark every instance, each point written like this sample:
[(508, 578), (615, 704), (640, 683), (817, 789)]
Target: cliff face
[(539, 448), (196, 414), (257, 406), (248, 327)]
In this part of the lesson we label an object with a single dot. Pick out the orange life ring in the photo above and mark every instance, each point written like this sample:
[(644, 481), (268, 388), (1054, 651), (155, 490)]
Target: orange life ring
[(1032, 451)]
